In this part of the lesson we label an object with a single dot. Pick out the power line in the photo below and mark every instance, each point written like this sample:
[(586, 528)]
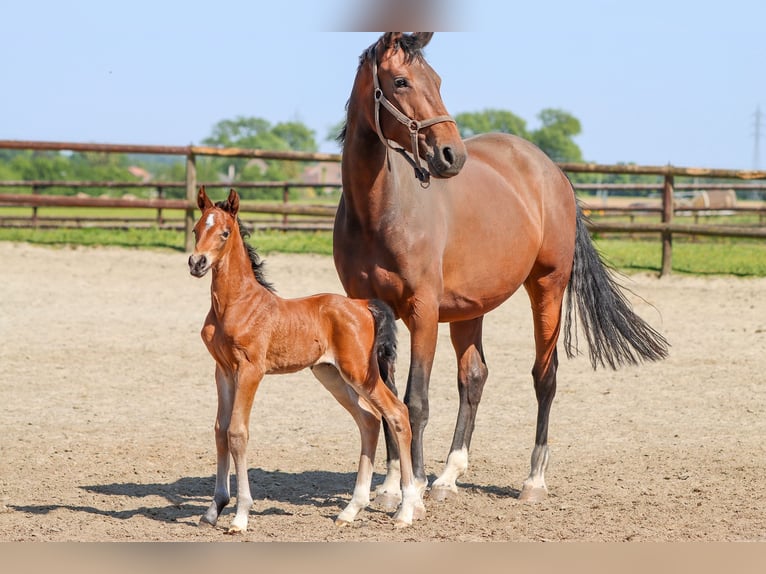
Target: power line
[(757, 139)]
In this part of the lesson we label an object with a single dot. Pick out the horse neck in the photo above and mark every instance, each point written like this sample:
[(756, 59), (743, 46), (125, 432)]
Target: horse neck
[(372, 174), (233, 280)]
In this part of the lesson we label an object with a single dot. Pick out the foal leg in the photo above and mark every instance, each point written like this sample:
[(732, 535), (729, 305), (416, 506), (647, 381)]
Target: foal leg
[(225, 390), (546, 295), (247, 383), (396, 415), (369, 430), (388, 494), (471, 376)]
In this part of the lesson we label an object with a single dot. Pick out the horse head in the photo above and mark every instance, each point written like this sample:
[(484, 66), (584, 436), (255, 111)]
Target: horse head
[(408, 107), (213, 231)]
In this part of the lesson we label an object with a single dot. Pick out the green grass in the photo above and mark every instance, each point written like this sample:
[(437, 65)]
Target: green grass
[(741, 257)]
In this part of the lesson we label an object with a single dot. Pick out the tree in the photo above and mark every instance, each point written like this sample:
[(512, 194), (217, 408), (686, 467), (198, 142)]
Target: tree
[(490, 120), (258, 133), (555, 136)]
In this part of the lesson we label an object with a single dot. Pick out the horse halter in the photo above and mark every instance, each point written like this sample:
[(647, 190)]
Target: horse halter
[(414, 126)]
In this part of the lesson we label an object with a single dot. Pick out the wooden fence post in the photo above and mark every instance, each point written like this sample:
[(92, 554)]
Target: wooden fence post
[(667, 236), (285, 200), (191, 198)]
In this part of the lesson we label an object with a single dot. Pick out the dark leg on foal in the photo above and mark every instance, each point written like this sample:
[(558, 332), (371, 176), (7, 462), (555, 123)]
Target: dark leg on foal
[(546, 295), (472, 374), (388, 494)]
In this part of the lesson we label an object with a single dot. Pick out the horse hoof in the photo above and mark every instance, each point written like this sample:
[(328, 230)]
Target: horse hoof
[(419, 513), (533, 494), (234, 530), (399, 524), (205, 523), (442, 493), (340, 523), (388, 501)]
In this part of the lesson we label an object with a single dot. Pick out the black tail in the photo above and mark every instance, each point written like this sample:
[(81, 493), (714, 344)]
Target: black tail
[(616, 335), (385, 340)]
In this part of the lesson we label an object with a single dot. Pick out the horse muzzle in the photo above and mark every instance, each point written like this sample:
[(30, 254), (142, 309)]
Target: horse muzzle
[(445, 162), (198, 265)]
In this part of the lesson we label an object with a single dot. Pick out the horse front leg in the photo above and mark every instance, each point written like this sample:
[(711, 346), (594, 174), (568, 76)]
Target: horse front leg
[(471, 376), (238, 435), (225, 391), (423, 325)]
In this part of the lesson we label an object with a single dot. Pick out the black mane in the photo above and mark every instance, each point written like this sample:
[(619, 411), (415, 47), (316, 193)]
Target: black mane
[(256, 263), (411, 49)]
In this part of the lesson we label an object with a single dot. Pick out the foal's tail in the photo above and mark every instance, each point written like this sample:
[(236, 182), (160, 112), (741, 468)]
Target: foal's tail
[(616, 335), (385, 340)]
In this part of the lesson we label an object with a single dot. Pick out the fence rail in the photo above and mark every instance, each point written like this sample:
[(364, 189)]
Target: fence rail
[(666, 228)]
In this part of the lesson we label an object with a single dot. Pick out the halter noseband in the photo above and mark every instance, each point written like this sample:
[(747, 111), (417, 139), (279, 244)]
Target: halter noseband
[(414, 126)]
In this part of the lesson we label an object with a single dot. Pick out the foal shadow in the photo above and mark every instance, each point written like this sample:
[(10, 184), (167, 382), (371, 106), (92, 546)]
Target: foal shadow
[(188, 498)]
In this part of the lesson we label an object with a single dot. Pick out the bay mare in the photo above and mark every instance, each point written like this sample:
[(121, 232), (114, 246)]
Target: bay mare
[(445, 230)]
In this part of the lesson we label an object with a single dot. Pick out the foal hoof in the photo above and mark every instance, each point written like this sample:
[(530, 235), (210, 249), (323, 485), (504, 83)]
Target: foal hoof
[(442, 493), (388, 501), (533, 494)]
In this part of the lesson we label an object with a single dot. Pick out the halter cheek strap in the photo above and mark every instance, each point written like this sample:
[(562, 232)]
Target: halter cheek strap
[(414, 127)]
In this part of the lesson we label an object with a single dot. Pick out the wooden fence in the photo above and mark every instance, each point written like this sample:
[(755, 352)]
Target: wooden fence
[(666, 227)]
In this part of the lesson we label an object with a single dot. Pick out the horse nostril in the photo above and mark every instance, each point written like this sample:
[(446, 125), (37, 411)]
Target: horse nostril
[(448, 156)]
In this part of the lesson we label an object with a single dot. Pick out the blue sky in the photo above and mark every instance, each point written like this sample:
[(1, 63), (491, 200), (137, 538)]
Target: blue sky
[(652, 82)]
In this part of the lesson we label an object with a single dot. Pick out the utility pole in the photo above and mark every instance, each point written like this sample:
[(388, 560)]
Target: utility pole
[(757, 139)]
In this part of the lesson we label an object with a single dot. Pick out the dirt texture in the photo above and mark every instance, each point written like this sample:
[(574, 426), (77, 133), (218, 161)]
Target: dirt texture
[(107, 405)]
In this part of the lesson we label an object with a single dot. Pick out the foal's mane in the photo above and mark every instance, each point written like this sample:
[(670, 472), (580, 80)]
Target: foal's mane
[(408, 43), (256, 263)]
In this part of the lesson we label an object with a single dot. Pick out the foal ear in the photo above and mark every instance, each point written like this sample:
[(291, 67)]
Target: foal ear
[(203, 201), (232, 202)]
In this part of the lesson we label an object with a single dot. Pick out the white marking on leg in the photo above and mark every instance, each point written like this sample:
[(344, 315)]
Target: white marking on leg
[(391, 484), (412, 506), (361, 497), (457, 464), (535, 483)]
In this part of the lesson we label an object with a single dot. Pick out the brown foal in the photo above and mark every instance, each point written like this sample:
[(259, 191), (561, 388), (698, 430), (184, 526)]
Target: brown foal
[(349, 345)]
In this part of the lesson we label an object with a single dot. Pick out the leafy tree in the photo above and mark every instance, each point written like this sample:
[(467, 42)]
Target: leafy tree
[(555, 136), (490, 120), (258, 133)]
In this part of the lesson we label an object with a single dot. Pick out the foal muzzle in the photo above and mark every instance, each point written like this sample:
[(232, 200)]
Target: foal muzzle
[(198, 265)]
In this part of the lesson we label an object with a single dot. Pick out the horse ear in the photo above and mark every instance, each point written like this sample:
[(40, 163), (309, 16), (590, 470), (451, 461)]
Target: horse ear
[(232, 203), (422, 38), (203, 201), (387, 41)]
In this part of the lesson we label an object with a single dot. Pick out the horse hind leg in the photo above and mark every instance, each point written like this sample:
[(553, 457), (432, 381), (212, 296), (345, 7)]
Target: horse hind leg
[(368, 423), (472, 375), (546, 295)]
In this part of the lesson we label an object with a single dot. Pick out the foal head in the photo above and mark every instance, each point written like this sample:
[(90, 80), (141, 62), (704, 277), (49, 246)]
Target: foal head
[(216, 232), (401, 100), (213, 231)]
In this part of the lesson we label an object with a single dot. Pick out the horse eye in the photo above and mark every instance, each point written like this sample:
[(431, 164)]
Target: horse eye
[(225, 234), (401, 82)]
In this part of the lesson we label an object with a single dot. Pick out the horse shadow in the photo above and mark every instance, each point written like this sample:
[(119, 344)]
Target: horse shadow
[(188, 498)]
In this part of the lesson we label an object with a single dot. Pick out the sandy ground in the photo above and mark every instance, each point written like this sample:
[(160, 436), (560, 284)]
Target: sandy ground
[(108, 403)]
